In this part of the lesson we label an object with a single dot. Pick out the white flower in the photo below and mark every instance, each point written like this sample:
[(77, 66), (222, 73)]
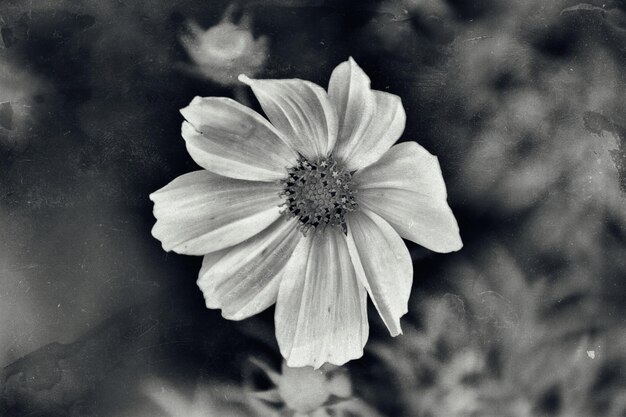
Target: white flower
[(222, 52), (274, 229), (306, 392)]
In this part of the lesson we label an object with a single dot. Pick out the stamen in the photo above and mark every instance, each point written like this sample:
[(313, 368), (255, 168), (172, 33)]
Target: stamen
[(319, 194)]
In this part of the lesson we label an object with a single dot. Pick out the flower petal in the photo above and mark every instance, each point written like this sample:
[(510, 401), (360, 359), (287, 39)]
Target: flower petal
[(301, 111), (406, 188), (370, 121), (355, 103), (230, 139), (321, 313), (243, 280), (202, 212), (383, 264)]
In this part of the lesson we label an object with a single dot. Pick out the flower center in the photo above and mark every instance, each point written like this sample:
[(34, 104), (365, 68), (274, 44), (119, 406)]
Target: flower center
[(319, 194)]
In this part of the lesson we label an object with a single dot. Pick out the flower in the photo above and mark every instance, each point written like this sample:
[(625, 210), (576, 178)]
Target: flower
[(307, 211), (222, 52), (302, 392)]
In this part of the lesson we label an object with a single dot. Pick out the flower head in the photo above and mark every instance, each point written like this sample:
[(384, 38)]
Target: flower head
[(306, 210), (306, 392), (222, 52)]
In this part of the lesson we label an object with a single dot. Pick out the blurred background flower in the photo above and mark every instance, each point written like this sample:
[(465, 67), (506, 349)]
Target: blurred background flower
[(222, 52), (522, 100), (304, 392)]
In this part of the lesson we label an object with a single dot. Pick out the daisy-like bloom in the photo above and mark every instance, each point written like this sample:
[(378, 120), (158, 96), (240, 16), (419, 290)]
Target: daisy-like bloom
[(305, 392), (222, 52), (307, 211)]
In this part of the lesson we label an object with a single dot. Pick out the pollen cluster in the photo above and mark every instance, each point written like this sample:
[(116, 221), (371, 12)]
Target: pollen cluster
[(319, 194)]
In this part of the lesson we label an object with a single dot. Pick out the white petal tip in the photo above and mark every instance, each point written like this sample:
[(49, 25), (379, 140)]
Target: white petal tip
[(301, 363), (457, 246), (317, 363), (238, 316), (244, 79), (194, 102), (394, 329), (157, 235), (165, 247)]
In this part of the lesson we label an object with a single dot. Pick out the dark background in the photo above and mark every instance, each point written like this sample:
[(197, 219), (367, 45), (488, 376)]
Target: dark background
[(522, 101)]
